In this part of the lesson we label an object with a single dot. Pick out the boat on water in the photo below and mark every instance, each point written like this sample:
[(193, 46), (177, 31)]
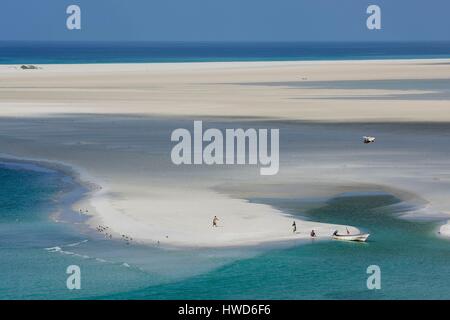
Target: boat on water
[(368, 139), (362, 237)]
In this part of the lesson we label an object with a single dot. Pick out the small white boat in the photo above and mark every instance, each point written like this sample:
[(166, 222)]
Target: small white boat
[(362, 237), (368, 139)]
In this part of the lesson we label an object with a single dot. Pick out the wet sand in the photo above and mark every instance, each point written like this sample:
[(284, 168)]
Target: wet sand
[(123, 144)]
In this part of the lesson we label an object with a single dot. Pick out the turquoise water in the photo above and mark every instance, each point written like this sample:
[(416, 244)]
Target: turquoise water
[(414, 262), (14, 52), (35, 250), (27, 269)]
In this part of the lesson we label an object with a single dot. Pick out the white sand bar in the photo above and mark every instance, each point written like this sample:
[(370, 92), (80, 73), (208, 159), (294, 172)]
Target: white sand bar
[(136, 203), (212, 89)]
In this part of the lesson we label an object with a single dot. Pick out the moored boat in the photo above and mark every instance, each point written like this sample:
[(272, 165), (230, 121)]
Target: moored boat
[(362, 237)]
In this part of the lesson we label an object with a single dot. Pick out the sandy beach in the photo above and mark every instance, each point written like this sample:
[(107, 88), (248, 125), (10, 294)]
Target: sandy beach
[(270, 90), (112, 123)]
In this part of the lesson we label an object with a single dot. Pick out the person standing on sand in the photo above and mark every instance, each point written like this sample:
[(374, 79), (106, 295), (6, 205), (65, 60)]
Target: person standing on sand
[(313, 234), (294, 227), (215, 220)]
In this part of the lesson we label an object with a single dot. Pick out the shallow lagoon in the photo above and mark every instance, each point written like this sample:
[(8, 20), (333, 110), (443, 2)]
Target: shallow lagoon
[(35, 251), (414, 261)]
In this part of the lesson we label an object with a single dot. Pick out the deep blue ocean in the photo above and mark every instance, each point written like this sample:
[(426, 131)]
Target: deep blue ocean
[(128, 52)]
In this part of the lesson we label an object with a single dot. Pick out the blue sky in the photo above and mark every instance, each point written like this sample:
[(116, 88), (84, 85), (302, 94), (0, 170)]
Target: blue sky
[(225, 20)]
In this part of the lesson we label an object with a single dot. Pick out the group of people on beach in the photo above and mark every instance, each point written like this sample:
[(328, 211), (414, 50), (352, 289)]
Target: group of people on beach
[(313, 233), (294, 230), (294, 227), (215, 221)]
